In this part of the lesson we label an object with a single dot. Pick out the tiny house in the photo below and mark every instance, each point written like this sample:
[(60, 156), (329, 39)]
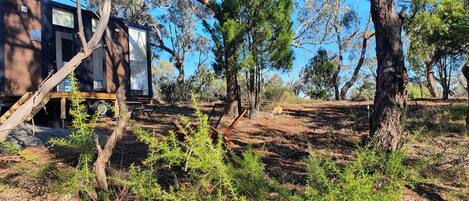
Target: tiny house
[(38, 37)]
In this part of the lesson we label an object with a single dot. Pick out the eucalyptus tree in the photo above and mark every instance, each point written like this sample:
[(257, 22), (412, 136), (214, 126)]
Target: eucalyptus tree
[(366, 35), (267, 43), (327, 22), (243, 30), (441, 29), (318, 76), (178, 26), (173, 23), (438, 31), (391, 83)]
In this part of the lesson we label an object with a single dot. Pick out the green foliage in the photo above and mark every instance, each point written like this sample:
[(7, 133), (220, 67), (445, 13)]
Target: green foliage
[(10, 148), (204, 82), (317, 76), (373, 175), (274, 90), (206, 172), (366, 91), (258, 28), (250, 178), (414, 91), (80, 140), (437, 28)]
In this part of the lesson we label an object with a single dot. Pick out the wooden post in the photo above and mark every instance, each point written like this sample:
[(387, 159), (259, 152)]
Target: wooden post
[(63, 110), (116, 109)]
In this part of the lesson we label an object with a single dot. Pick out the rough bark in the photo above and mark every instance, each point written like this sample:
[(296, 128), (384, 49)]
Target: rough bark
[(430, 75), (34, 102), (335, 78), (105, 154), (390, 98), (252, 93), (232, 98), (465, 72)]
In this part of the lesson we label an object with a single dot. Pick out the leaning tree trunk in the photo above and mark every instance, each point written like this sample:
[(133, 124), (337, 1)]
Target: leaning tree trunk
[(88, 47), (465, 72), (104, 155), (353, 79), (390, 97), (430, 74), (335, 78), (361, 60)]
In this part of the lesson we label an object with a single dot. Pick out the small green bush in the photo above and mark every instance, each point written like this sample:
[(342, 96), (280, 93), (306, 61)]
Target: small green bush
[(415, 92), (318, 94), (366, 91), (373, 175), (207, 172), (81, 140)]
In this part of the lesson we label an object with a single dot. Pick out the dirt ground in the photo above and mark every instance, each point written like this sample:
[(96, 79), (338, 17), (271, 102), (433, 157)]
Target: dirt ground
[(332, 129)]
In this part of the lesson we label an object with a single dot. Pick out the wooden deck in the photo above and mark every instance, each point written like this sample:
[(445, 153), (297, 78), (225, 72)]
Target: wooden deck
[(85, 95)]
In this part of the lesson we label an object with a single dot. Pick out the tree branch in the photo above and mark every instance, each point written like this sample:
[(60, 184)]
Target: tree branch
[(81, 32)]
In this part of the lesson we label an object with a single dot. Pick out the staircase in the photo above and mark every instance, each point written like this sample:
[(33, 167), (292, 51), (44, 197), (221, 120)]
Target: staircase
[(20, 102)]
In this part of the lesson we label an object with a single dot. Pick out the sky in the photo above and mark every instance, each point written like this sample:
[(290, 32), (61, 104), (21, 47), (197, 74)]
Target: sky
[(302, 55)]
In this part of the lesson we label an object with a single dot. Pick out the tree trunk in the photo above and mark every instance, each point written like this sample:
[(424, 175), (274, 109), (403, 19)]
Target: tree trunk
[(353, 79), (465, 72), (180, 68), (430, 74), (231, 99), (339, 64), (30, 105), (105, 154), (390, 97), (250, 76)]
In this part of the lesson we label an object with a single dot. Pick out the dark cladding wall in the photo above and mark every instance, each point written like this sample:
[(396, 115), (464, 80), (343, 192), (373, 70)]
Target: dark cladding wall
[(48, 51), (117, 54), (22, 53), (2, 46)]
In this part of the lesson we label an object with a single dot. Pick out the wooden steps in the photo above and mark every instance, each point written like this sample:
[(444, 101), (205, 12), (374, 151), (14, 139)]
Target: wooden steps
[(20, 102), (15, 106)]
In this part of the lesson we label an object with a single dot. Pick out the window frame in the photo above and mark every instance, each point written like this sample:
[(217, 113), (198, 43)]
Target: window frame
[(56, 10)]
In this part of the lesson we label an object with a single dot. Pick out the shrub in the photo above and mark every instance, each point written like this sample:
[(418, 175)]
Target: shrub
[(81, 141), (204, 171), (318, 94), (275, 94), (366, 91), (373, 175), (414, 91)]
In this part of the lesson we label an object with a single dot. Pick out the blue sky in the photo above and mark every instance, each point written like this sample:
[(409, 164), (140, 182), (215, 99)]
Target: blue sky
[(302, 55)]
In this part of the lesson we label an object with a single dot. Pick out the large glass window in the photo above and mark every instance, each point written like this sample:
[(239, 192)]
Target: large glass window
[(63, 18), (138, 61), (99, 81)]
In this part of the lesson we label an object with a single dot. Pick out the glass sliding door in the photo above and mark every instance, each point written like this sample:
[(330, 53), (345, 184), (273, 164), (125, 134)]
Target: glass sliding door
[(138, 61), (98, 61), (64, 52)]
